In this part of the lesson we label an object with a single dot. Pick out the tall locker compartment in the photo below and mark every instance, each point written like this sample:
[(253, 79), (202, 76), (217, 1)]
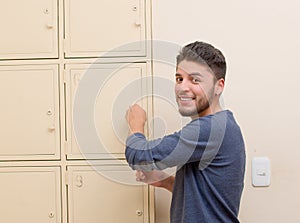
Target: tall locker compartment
[(29, 112), (116, 87), (105, 194), (29, 29), (105, 28), (30, 194)]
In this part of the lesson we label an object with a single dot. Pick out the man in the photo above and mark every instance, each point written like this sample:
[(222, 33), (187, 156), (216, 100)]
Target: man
[(208, 152)]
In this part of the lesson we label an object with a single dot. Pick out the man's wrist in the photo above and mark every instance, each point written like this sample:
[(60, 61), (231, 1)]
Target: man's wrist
[(168, 183), (136, 129)]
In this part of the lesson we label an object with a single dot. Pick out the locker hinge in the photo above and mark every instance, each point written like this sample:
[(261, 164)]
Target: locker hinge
[(65, 142), (65, 46), (65, 76), (65, 148), (67, 177)]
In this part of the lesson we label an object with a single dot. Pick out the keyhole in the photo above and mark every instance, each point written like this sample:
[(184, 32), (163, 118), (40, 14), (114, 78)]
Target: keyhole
[(49, 112), (51, 214), (139, 212)]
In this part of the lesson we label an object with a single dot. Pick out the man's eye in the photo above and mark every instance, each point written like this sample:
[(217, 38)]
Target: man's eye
[(178, 79), (195, 80)]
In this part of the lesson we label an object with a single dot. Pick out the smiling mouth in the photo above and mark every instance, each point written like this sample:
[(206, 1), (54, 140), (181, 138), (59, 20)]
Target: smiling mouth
[(186, 98)]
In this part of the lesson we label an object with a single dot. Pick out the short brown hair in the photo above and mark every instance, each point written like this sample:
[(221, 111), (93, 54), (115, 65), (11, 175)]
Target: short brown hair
[(204, 53)]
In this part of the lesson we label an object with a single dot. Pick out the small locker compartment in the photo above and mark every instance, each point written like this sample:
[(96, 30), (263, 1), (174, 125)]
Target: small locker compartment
[(29, 29), (106, 194), (30, 194), (104, 28), (103, 93), (29, 112)]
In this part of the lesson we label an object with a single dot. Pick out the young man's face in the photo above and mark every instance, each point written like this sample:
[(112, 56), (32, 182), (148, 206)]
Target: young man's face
[(194, 89)]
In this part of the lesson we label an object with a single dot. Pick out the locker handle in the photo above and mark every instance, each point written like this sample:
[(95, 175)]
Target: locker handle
[(51, 128), (50, 26), (138, 23)]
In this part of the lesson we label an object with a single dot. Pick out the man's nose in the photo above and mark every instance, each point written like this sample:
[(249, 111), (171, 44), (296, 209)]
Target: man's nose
[(185, 85)]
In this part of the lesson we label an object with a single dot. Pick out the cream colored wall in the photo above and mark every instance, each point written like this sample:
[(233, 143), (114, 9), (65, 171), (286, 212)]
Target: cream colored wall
[(261, 41)]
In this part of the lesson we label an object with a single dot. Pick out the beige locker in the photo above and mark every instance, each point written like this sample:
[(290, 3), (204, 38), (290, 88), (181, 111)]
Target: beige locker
[(30, 194), (29, 113), (98, 28), (29, 29), (116, 87), (106, 194)]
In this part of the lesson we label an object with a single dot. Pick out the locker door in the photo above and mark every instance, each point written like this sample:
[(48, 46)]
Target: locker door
[(28, 29), (30, 194), (29, 113), (95, 197), (117, 86), (95, 27)]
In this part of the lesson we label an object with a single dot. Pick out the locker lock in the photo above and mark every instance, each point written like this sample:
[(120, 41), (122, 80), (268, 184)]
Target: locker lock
[(51, 214), (139, 212), (49, 112)]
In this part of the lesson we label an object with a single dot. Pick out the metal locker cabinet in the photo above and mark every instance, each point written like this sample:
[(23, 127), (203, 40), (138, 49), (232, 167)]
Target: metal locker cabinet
[(106, 194), (94, 28), (29, 29), (29, 113), (117, 88), (30, 194)]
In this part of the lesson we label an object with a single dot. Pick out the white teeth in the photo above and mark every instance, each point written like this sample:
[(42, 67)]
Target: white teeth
[(186, 99)]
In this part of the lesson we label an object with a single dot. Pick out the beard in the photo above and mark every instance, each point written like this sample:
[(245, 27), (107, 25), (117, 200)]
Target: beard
[(199, 108), (201, 105)]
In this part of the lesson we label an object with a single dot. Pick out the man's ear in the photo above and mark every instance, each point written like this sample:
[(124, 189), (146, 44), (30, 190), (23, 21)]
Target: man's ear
[(219, 86)]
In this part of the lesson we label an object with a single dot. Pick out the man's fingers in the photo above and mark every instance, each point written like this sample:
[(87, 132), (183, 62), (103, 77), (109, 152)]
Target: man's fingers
[(140, 176)]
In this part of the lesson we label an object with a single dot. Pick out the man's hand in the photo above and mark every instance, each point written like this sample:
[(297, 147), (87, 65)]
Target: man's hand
[(136, 119), (156, 178)]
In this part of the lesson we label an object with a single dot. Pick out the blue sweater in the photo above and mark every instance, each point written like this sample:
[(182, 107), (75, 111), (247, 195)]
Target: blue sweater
[(209, 154)]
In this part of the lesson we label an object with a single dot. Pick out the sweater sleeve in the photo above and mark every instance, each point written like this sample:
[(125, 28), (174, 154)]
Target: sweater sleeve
[(197, 141)]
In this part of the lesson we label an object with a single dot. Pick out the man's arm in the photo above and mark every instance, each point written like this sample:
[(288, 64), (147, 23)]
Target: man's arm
[(156, 178), (136, 118)]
